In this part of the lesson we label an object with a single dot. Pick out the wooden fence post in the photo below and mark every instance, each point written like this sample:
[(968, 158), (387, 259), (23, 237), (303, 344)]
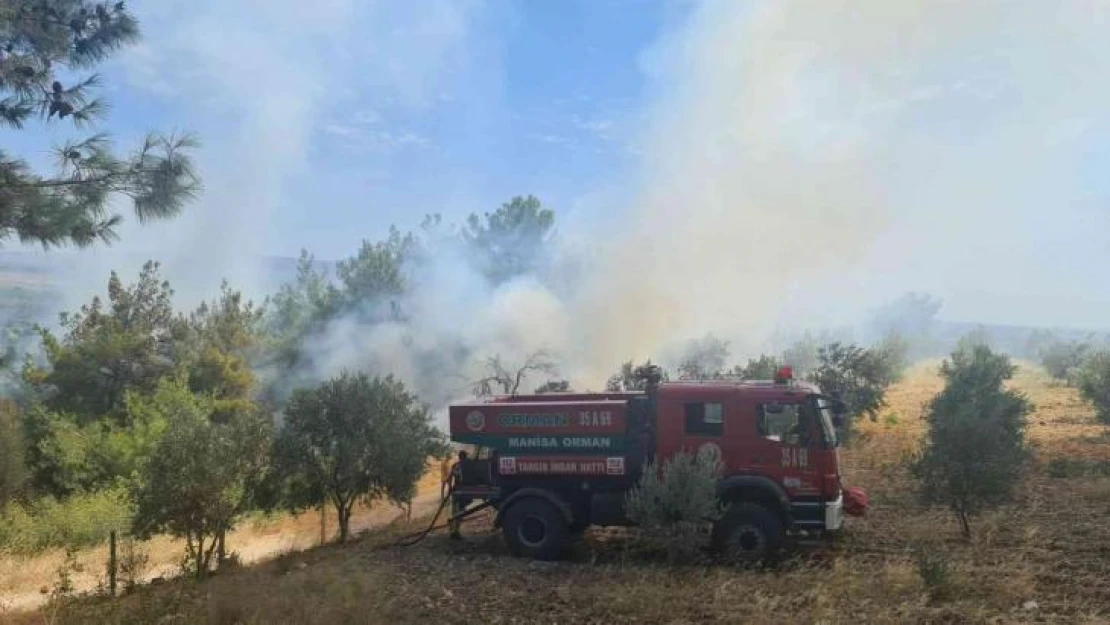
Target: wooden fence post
[(112, 562)]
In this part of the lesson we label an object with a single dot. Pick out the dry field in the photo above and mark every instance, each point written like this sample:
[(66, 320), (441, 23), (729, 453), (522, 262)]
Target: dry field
[(26, 582), (1045, 560)]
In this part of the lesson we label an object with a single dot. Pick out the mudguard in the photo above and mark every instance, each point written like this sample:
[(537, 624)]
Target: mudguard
[(764, 485)]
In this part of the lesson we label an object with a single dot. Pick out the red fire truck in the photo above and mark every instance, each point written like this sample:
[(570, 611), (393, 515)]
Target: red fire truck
[(554, 464)]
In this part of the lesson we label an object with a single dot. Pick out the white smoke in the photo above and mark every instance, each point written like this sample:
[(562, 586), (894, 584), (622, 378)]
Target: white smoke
[(804, 161)]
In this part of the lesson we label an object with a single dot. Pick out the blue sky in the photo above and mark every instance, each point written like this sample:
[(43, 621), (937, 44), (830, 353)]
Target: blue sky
[(390, 110)]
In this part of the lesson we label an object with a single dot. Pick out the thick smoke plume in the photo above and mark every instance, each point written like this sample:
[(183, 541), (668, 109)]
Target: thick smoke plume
[(806, 160), (803, 162)]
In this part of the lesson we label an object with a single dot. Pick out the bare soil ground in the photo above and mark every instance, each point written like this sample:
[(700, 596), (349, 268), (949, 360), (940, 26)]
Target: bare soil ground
[(1046, 559)]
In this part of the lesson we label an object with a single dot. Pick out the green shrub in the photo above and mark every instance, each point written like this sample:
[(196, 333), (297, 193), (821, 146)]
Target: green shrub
[(78, 520), (858, 376), (893, 355), (1094, 384), (763, 368), (975, 448), (1069, 467), (676, 503), (936, 573), (1064, 360)]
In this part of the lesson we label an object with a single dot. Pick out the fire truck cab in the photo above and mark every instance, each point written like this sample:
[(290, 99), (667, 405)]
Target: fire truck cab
[(558, 463)]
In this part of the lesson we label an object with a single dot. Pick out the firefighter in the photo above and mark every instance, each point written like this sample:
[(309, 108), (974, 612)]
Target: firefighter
[(458, 504)]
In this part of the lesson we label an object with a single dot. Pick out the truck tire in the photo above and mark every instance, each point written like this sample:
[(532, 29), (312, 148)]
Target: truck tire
[(535, 529), (747, 533)]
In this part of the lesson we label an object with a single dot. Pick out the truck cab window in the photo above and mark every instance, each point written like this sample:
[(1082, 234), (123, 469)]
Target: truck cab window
[(705, 419), (785, 423)]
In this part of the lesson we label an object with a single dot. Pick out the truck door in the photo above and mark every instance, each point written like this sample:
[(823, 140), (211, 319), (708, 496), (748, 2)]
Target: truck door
[(702, 423), (789, 448)]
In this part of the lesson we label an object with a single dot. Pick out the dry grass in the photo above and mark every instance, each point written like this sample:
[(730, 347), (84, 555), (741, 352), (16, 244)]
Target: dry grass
[(25, 581), (1046, 559)]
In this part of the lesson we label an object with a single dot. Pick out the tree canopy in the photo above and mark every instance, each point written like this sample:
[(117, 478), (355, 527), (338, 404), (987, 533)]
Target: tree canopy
[(975, 447), (42, 43), (201, 474), (628, 378), (128, 342), (511, 240), (857, 376), (354, 438), (1094, 383)]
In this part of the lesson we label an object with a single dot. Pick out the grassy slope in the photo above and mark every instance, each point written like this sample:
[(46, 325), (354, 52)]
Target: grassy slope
[(1053, 548)]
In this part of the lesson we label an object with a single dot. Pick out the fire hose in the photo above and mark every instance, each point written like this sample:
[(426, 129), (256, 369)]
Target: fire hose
[(411, 539)]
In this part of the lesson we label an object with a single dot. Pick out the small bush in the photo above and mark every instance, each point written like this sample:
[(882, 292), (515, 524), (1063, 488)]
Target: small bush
[(1068, 467), (891, 419), (133, 563), (936, 573), (1094, 384), (676, 504), (1064, 360), (893, 355), (79, 520)]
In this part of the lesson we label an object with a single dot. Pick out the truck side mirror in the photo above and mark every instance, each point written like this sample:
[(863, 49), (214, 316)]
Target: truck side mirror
[(838, 412)]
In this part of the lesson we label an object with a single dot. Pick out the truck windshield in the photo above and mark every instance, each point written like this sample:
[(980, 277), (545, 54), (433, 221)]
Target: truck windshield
[(828, 430)]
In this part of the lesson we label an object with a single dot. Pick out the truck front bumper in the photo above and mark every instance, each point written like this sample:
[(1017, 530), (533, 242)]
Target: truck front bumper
[(834, 513)]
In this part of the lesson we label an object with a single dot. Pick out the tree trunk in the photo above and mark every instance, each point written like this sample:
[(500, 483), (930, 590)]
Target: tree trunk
[(343, 512), (965, 526), (198, 558), (221, 551), (207, 556)]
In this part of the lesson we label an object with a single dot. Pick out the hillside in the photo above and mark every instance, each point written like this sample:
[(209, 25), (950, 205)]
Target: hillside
[(1045, 559)]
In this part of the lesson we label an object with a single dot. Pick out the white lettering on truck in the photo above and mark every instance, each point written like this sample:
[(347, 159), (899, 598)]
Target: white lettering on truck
[(795, 457), (595, 418)]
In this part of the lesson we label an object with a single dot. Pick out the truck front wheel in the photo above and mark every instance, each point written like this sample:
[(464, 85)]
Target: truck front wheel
[(747, 533), (536, 529)]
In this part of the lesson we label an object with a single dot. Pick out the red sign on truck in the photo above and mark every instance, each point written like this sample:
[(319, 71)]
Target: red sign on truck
[(561, 465)]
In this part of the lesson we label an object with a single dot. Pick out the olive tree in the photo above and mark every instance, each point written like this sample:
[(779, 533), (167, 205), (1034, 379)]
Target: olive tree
[(975, 446), (354, 438), (1094, 384), (857, 376), (201, 475), (1064, 360)]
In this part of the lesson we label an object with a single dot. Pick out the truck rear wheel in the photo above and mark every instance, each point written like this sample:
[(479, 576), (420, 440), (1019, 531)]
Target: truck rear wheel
[(748, 532), (536, 529)]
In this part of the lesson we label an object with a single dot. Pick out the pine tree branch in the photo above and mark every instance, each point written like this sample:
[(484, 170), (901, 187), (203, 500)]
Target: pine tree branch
[(49, 184)]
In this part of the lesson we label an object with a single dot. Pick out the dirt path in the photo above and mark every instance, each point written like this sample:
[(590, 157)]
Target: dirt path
[(25, 583)]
